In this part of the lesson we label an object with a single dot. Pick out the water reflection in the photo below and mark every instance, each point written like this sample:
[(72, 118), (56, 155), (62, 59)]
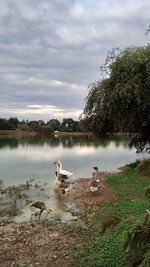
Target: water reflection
[(25, 158), (66, 141)]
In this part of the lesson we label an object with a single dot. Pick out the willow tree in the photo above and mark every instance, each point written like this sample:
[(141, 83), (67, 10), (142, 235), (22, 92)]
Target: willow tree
[(121, 102)]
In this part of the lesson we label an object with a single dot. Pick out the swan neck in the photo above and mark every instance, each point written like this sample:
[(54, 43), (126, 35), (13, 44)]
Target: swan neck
[(57, 168), (56, 180), (60, 166)]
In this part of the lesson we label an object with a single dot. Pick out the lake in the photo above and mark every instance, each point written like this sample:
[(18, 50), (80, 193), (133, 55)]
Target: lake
[(25, 158), (31, 159)]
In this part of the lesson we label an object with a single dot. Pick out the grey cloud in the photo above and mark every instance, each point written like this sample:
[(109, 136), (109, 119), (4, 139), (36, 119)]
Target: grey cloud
[(44, 41)]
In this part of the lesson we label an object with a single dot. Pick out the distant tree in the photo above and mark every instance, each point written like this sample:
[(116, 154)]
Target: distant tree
[(34, 126), (23, 125), (69, 125), (54, 124), (3, 124), (13, 122), (10, 124), (46, 129)]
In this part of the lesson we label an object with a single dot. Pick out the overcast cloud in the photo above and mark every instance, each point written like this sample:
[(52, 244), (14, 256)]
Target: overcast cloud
[(51, 50)]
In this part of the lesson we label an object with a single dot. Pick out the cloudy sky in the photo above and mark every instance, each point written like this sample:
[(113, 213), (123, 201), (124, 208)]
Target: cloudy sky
[(51, 50)]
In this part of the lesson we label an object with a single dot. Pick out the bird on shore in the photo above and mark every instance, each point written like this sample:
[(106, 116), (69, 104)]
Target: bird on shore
[(61, 186), (64, 174), (94, 171), (95, 185), (37, 208)]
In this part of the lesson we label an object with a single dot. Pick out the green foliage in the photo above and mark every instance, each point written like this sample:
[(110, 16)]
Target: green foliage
[(69, 125), (23, 126), (54, 124), (146, 260), (103, 252), (122, 101), (10, 124), (34, 126)]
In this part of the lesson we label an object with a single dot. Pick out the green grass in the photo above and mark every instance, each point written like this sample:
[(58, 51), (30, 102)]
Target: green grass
[(107, 229)]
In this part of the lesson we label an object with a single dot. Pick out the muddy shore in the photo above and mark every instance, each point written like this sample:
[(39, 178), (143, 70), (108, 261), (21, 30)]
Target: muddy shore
[(45, 243)]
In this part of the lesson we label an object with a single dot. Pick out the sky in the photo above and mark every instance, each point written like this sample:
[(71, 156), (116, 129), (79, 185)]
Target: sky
[(52, 50)]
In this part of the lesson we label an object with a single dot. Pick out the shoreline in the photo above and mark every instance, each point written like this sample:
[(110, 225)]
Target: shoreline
[(18, 133), (54, 240), (79, 196)]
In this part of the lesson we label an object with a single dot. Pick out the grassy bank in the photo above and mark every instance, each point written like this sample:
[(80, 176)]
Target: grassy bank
[(108, 227)]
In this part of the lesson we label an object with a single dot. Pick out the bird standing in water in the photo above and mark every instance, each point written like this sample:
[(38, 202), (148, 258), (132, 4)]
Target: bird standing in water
[(61, 186), (63, 173), (37, 208)]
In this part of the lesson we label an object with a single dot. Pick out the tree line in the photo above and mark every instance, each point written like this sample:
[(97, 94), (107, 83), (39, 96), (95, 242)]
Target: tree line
[(52, 125)]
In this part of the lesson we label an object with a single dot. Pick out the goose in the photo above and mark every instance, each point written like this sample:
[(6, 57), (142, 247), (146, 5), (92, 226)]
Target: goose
[(57, 185), (37, 208), (65, 186), (95, 185), (60, 185), (64, 174), (94, 171)]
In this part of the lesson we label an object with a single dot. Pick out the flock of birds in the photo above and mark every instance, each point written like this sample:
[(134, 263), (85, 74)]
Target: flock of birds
[(62, 186)]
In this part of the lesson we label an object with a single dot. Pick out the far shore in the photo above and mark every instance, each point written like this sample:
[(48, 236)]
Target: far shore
[(32, 133)]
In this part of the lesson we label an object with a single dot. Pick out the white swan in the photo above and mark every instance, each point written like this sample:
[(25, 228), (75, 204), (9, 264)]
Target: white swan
[(64, 174)]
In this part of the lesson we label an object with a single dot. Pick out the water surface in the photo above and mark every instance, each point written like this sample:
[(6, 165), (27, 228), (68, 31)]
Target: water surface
[(26, 158), (31, 159)]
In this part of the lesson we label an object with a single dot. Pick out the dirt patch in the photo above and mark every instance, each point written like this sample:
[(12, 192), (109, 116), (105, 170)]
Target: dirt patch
[(82, 196), (47, 244), (36, 244)]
